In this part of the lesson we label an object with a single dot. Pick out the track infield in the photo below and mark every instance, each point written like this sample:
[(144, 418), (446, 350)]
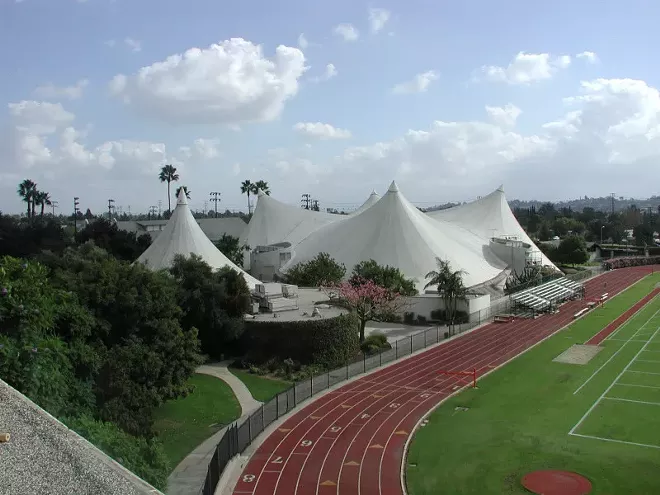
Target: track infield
[(599, 419), (352, 440)]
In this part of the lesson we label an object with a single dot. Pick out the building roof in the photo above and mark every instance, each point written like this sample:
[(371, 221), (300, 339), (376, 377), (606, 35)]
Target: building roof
[(214, 228), (44, 456), (182, 235), (488, 217), (394, 232)]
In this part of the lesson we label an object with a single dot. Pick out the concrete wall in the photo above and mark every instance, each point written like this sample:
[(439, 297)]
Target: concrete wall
[(424, 304), (266, 262), (512, 252)]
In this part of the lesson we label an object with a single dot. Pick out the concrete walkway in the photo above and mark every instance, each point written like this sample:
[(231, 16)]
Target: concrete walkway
[(188, 477)]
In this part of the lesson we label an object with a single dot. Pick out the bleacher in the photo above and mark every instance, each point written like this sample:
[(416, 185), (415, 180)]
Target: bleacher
[(547, 296)]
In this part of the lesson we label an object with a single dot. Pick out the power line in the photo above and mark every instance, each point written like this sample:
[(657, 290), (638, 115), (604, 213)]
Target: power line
[(215, 198), (306, 199)]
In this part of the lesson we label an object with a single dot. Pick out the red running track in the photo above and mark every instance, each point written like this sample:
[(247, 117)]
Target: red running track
[(610, 328), (352, 440)]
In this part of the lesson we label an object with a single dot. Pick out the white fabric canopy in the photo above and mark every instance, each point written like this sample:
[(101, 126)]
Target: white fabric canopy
[(182, 235), (488, 217), (371, 200), (394, 232)]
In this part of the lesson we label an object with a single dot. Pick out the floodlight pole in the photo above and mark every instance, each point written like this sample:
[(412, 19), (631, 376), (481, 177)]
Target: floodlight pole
[(75, 217), (215, 197)]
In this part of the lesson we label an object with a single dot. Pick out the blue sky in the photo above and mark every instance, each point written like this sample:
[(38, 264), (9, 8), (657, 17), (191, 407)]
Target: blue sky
[(62, 42)]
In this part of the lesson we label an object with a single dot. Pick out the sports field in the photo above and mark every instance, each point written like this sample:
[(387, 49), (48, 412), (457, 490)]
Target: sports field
[(601, 419)]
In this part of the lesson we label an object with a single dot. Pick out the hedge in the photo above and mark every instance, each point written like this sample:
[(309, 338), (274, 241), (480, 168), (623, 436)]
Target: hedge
[(329, 342), (630, 261)]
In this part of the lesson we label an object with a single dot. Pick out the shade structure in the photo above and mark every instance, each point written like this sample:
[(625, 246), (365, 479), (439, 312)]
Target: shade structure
[(182, 235), (371, 200), (276, 222), (394, 232), (488, 217)]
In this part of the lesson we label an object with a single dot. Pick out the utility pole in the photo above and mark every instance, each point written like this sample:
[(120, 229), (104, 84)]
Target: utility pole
[(612, 195), (206, 207), (306, 199), (215, 197), (315, 204), (75, 217), (152, 211), (160, 208), (111, 205), (54, 205)]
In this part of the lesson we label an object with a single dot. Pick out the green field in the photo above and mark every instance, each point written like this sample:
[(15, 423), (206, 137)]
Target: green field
[(182, 424), (601, 419), (262, 389)]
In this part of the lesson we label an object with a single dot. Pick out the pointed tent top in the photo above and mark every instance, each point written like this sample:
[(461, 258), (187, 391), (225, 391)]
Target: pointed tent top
[(501, 188), (260, 193), (393, 187), (181, 199), (373, 193)]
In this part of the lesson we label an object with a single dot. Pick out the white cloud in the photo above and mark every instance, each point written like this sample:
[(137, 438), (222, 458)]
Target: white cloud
[(347, 32), (526, 68), (39, 117), (377, 19), (205, 149), (110, 43), (329, 73), (133, 45), (319, 130), (418, 84), (230, 82), (590, 57), (50, 91), (505, 116), (302, 41)]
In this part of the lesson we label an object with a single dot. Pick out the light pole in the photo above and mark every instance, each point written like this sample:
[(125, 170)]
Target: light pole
[(75, 217), (601, 234)]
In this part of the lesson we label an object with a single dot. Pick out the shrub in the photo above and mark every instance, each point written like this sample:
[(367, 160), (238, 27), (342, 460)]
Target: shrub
[(328, 342), (144, 457), (316, 272), (375, 343), (631, 261), (459, 318), (384, 276)]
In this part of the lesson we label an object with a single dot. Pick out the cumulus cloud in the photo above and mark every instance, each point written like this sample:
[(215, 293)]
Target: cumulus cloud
[(302, 41), (418, 84), (320, 130), (133, 45), (347, 32), (329, 72), (231, 83), (590, 57), (505, 116), (526, 68), (377, 19), (51, 92)]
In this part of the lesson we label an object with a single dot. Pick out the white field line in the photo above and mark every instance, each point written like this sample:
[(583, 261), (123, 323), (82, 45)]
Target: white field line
[(611, 385), (617, 352), (636, 385), (616, 441), (633, 401), (627, 340), (643, 372), (648, 361)]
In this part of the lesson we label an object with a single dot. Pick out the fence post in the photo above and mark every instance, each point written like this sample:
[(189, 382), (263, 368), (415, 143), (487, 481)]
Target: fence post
[(287, 401), (380, 358), (437, 334), (295, 401), (311, 385), (411, 344), (347, 371), (263, 417), (277, 406), (396, 352), (249, 422), (364, 362), (328, 374)]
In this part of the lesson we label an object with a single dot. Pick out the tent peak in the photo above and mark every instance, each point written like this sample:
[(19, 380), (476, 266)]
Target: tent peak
[(260, 193), (393, 187), (182, 199), (373, 193), (500, 189)]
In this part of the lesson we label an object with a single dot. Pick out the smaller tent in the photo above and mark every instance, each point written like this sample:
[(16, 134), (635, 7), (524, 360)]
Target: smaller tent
[(371, 200), (183, 235)]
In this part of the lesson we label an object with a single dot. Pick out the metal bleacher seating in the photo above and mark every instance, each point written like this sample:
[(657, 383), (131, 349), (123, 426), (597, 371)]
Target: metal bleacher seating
[(547, 296)]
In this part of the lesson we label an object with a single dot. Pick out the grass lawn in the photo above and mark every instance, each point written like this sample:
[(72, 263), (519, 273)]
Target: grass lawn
[(262, 389), (184, 423), (520, 417)]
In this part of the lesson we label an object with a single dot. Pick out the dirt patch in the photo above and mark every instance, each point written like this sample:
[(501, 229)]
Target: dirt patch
[(578, 354)]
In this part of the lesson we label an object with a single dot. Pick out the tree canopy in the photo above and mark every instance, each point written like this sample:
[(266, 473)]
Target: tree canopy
[(319, 271)]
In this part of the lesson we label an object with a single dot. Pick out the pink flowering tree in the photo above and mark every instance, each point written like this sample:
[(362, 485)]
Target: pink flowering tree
[(369, 301)]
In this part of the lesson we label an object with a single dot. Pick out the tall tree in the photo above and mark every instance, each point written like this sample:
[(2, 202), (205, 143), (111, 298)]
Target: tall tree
[(247, 188), (261, 185), (450, 286), (185, 190), (42, 198), (168, 174), (26, 191)]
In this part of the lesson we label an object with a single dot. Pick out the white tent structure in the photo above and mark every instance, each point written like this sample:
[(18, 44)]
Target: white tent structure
[(394, 232), (276, 222), (183, 235), (488, 217), (371, 200)]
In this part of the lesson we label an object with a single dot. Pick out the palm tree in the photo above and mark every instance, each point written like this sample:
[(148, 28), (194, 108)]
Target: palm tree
[(42, 198), (27, 190), (449, 285), (260, 185), (247, 188), (185, 190), (168, 174)]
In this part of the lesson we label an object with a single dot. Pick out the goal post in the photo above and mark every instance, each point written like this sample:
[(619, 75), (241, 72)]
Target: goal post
[(468, 377)]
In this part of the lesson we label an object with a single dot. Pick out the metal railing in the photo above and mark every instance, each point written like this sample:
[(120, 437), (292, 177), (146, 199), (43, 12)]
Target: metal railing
[(238, 437)]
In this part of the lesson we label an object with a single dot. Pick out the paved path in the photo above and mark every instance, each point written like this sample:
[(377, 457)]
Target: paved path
[(188, 477)]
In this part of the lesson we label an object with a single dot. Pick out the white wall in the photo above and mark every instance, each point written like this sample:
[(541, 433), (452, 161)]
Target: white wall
[(423, 304), (265, 264)]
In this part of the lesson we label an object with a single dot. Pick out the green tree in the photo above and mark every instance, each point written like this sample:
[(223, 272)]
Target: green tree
[(27, 190), (212, 302), (231, 247), (544, 232), (385, 276), (42, 199), (317, 272), (643, 234), (261, 185), (121, 244), (168, 174), (247, 188), (572, 250), (450, 287), (185, 189)]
